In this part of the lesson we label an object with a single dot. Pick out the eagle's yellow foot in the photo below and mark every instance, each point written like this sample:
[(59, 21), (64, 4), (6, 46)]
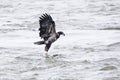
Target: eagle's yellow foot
[(46, 54)]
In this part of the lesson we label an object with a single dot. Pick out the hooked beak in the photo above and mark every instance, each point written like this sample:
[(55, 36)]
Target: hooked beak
[(63, 34)]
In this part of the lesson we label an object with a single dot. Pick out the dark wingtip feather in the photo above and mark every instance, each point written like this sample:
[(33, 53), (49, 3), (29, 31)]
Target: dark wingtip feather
[(45, 16)]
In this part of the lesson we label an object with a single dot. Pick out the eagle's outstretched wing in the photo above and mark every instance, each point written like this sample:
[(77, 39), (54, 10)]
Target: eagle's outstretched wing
[(47, 26)]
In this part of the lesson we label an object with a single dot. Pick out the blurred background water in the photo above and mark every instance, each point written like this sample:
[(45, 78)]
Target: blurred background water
[(89, 51)]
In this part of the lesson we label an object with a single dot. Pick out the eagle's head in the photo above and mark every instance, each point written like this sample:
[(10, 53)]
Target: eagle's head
[(61, 33)]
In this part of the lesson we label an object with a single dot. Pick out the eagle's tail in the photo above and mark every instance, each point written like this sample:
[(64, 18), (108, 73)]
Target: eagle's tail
[(39, 42)]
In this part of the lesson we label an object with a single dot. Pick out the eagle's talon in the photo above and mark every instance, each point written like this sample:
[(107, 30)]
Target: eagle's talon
[(46, 54)]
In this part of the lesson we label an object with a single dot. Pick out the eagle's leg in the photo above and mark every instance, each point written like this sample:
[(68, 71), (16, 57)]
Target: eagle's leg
[(47, 48)]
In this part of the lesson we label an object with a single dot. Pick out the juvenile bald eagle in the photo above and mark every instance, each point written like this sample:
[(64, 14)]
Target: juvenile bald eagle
[(47, 32)]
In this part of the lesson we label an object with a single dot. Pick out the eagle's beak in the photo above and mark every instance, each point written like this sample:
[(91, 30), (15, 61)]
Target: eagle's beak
[(63, 34)]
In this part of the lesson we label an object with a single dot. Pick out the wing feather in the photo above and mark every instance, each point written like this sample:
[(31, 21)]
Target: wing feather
[(47, 26)]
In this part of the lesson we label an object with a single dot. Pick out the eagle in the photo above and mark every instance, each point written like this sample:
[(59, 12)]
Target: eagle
[(47, 32)]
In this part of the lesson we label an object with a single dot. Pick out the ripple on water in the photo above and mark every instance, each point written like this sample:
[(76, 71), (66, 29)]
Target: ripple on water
[(114, 46), (108, 68), (111, 78)]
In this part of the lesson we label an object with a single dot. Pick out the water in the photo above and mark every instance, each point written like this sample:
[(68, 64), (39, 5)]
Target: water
[(89, 51)]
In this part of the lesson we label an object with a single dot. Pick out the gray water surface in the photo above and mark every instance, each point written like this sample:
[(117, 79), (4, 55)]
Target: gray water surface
[(89, 51)]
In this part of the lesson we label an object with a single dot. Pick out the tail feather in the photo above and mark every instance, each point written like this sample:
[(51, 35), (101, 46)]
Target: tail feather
[(39, 42)]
